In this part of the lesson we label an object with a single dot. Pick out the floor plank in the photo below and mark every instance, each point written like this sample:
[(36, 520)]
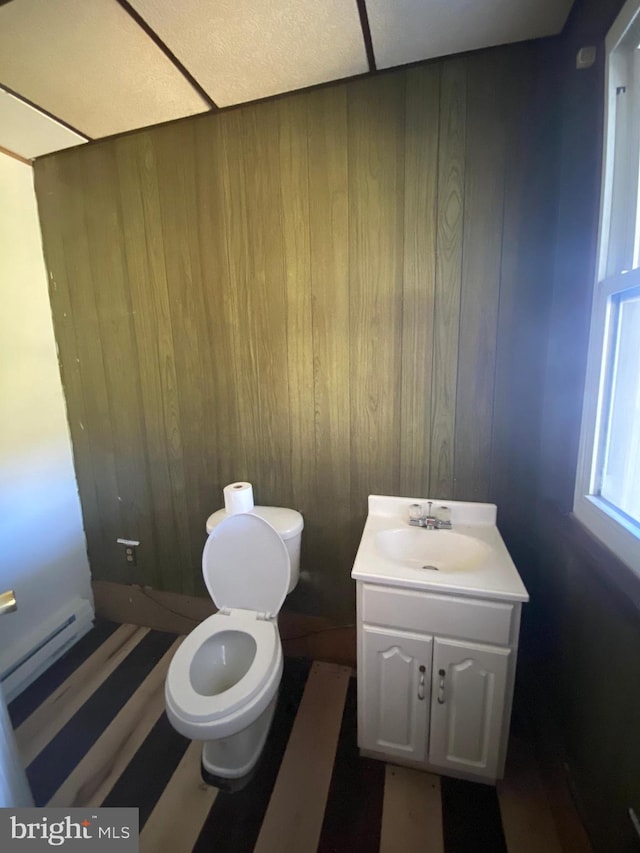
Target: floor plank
[(471, 817), (526, 816), (353, 813), (56, 711), (149, 771), (92, 779), (412, 812), (67, 749), (294, 817), (311, 791), (189, 797), (235, 819), (35, 694)]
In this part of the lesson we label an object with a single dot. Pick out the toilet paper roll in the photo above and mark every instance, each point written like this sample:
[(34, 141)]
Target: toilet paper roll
[(238, 497)]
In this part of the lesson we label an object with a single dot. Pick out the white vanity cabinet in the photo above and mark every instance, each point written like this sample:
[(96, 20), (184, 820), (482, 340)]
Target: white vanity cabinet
[(468, 707), (435, 679), (394, 676)]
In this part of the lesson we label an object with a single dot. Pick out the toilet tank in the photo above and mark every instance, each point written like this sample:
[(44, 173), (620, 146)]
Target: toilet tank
[(288, 523)]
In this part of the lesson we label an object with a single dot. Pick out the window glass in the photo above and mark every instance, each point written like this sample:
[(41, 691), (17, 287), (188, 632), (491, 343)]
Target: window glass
[(623, 243), (607, 495), (620, 457)]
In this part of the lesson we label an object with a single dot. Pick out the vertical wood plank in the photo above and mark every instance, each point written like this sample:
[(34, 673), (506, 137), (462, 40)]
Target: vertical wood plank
[(451, 179), (524, 303), (266, 306), (418, 286), (512, 376), (242, 361), (213, 235), (376, 207), (329, 247), (147, 281), (482, 247), (258, 298), (121, 366), (177, 195), (294, 194)]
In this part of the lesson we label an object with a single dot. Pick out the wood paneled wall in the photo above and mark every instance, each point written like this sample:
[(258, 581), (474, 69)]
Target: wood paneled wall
[(584, 615), (307, 293)]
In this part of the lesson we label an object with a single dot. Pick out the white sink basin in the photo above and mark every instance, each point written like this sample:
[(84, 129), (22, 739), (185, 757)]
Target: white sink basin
[(434, 550), (470, 559)]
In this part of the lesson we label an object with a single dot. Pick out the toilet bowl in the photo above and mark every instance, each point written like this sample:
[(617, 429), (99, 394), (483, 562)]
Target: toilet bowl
[(222, 683)]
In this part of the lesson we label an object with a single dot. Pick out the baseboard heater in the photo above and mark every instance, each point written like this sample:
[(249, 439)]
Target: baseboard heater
[(23, 663)]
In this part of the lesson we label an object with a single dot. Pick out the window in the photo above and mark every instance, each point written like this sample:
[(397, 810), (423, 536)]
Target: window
[(607, 498)]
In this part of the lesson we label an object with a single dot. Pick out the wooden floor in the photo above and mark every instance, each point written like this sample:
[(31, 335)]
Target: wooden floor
[(92, 731)]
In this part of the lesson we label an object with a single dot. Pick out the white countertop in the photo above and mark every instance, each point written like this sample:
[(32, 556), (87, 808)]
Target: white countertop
[(494, 577)]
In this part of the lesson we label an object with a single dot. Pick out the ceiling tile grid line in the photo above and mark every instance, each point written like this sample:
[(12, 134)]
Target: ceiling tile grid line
[(165, 49), (91, 64), (366, 34), (27, 132), (41, 110), (247, 50)]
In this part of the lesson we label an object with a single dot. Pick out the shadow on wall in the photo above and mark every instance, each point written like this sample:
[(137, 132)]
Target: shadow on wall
[(39, 544), (42, 544)]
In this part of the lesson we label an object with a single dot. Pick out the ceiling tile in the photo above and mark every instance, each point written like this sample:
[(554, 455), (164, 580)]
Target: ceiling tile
[(405, 31), (30, 133), (242, 50), (89, 63)]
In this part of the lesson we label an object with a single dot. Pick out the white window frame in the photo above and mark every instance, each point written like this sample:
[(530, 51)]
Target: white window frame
[(602, 519)]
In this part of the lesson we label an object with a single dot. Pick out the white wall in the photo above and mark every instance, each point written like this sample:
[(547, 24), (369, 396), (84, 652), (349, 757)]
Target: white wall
[(42, 543)]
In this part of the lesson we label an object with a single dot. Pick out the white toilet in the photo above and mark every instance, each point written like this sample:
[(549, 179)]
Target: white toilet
[(222, 683)]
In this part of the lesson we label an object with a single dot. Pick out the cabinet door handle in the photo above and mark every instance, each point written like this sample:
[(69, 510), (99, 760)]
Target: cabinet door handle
[(441, 673), (421, 683)]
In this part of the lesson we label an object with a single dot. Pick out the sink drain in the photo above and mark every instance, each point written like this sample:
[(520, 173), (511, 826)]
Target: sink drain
[(432, 568)]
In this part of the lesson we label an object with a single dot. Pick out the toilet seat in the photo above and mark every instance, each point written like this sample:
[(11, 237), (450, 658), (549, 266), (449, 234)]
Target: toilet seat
[(245, 564), (246, 568), (197, 708)]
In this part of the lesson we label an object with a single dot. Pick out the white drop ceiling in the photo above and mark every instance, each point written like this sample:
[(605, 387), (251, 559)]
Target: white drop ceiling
[(405, 31), (242, 50), (107, 66), (28, 132)]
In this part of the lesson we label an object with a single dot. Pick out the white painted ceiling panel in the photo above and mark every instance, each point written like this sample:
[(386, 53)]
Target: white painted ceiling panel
[(242, 50), (30, 133), (405, 31), (89, 63)]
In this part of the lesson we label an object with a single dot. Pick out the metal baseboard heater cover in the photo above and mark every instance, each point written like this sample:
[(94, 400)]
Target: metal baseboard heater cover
[(21, 664)]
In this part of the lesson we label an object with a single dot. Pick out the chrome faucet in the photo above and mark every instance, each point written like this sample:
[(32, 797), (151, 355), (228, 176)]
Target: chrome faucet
[(418, 518)]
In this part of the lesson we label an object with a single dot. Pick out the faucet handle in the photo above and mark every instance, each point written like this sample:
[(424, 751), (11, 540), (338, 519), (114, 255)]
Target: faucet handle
[(416, 514)]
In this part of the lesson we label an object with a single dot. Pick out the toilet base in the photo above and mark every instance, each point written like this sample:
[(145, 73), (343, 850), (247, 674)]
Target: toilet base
[(223, 783), (235, 756)]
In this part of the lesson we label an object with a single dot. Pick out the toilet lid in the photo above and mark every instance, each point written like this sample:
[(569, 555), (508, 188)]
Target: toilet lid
[(245, 564)]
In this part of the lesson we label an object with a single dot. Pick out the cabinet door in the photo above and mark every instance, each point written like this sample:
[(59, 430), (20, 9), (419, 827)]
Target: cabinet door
[(467, 706), (394, 693)]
